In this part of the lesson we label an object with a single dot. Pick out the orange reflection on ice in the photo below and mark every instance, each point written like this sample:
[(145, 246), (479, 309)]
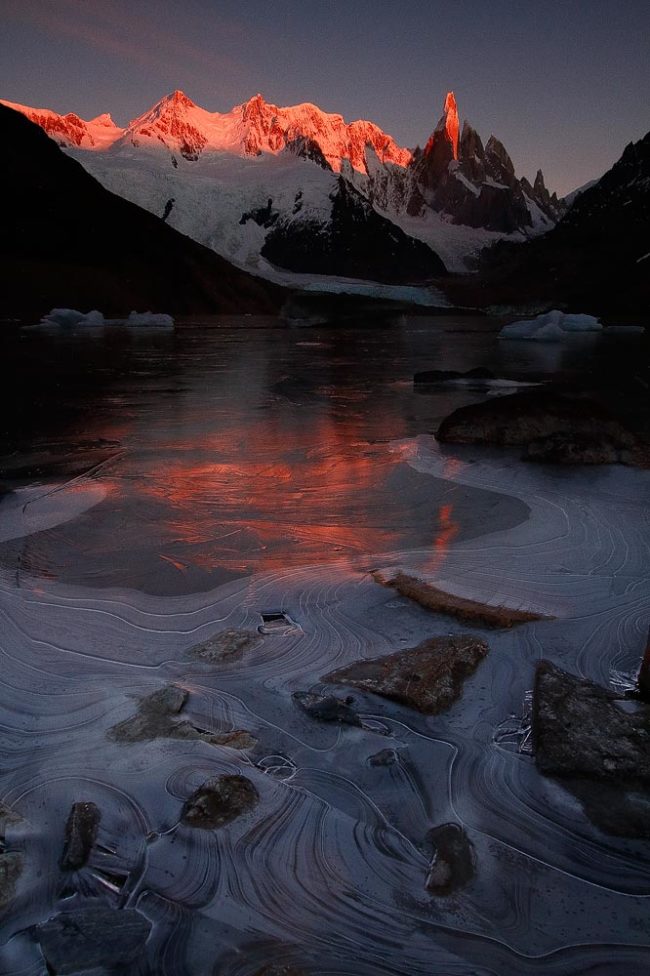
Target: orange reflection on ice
[(447, 530), (277, 493)]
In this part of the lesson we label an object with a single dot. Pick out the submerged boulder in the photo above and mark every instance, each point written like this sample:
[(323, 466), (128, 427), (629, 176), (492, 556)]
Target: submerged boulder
[(326, 708), (219, 801), (428, 677)]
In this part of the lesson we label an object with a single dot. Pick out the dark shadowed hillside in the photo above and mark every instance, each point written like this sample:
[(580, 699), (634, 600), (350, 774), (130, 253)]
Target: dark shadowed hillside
[(597, 258), (66, 241)]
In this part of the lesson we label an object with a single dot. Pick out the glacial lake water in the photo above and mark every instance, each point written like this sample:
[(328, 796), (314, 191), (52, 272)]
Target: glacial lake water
[(190, 482)]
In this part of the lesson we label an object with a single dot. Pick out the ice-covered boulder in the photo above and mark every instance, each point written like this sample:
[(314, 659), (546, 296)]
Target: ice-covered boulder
[(551, 326)]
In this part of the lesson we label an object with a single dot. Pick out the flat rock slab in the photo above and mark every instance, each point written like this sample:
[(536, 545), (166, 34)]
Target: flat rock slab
[(428, 677), (326, 708), (92, 937), (452, 865), (219, 801), (226, 646), (598, 745), (80, 835)]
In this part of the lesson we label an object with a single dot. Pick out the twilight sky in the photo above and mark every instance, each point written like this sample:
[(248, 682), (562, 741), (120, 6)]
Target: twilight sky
[(565, 84)]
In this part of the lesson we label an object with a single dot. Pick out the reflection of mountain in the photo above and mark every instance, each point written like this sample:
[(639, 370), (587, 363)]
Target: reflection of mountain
[(225, 179), (67, 241)]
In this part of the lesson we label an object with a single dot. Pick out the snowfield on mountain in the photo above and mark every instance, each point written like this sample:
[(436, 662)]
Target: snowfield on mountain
[(228, 179)]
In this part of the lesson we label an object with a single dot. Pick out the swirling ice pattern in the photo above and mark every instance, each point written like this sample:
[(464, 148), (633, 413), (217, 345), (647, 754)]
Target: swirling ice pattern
[(327, 873)]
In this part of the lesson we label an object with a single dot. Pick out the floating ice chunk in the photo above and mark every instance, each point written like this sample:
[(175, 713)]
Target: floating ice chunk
[(551, 327), (150, 319), (70, 317)]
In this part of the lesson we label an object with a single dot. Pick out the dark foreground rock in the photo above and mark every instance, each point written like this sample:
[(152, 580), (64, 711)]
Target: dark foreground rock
[(598, 744), (219, 801), (91, 937), (326, 708), (428, 677), (80, 835), (156, 719), (554, 427), (452, 865), (531, 416)]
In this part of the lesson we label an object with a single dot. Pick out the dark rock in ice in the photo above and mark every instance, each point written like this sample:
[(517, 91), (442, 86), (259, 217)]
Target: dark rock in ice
[(452, 865), (428, 677), (385, 757), (225, 646), (92, 937), (80, 835), (643, 680), (11, 867), (430, 376), (326, 708), (566, 448), (580, 729), (531, 415), (219, 801), (155, 720), (598, 744)]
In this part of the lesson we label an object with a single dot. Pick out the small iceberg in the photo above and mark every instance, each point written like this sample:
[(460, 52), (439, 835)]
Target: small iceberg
[(551, 327), (71, 318)]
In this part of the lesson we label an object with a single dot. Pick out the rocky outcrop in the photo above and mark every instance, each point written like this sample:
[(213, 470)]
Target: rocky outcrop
[(219, 801), (597, 744), (474, 184), (355, 242), (428, 677)]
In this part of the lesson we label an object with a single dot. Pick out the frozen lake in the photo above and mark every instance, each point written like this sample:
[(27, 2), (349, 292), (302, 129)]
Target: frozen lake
[(191, 482)]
